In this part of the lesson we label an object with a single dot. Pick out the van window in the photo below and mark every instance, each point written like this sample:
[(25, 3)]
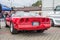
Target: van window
[(58, 8)]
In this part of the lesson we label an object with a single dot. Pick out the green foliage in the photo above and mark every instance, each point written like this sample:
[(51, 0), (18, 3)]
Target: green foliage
[(37, 3)]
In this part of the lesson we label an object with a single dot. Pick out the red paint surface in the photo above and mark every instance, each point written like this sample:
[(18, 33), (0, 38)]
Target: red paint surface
[(26, 23)]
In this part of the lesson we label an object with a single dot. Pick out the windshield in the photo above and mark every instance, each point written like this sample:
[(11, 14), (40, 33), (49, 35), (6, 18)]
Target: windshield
[(58, 8), (25, 14)]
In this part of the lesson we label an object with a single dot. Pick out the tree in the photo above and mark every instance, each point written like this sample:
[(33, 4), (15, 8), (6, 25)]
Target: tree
[(38, 3)]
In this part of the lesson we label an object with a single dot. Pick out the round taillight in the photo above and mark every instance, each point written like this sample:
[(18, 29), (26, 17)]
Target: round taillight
[(47, 20), (26, 20), (21, 20), (43, 20)]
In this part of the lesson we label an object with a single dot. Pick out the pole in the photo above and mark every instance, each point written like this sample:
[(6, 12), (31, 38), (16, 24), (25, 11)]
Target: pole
[(0, 14), (12, 3), (0, 23), (53, 5)]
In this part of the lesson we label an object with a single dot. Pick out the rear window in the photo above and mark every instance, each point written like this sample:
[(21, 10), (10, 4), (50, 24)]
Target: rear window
[(22, 13)]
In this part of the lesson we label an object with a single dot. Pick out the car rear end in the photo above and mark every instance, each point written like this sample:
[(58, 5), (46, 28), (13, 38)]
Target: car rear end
[(31, 23)]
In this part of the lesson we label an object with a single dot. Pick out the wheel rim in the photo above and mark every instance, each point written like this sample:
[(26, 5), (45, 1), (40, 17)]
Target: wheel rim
[(11, 28)]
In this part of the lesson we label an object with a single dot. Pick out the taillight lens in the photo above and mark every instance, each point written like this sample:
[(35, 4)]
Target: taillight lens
[(47, 20), (26, 20), (21, 20), (43, 20)]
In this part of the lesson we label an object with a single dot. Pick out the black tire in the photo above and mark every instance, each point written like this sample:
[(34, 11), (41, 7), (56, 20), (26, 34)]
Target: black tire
[(40, 31), (6, 23), (7, 26), (12, 30), (52, 23)]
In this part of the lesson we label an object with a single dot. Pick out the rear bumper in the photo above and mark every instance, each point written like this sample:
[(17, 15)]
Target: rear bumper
[(56, 24), (30, 27)]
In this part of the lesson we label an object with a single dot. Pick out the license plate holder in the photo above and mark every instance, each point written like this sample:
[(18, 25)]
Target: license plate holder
[(35, 23)]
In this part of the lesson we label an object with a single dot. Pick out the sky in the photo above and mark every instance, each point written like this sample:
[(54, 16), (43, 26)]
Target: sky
[(18, 3)]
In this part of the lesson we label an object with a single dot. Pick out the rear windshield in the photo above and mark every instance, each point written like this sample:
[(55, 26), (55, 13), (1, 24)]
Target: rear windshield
[(21, 14)]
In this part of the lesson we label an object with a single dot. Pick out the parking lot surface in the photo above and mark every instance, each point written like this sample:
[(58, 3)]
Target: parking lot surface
[(51, 34)]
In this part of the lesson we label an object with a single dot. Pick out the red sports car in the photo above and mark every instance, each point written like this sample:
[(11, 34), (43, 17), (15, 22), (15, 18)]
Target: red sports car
[(28, 21)]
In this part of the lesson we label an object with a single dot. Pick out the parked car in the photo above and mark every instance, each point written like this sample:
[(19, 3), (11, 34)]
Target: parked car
[(20, 21), (55, 17)]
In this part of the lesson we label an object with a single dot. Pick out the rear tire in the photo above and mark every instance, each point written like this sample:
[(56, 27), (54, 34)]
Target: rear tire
[(12, 30), (40, 31), (7, 26)]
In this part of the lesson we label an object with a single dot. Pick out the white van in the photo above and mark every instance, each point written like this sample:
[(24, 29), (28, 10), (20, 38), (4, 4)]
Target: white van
[(55, 16)]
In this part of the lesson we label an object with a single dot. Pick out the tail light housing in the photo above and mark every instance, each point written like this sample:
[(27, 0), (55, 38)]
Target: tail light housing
[(47, 20), (43, 19), (26, 20), (21, 20)]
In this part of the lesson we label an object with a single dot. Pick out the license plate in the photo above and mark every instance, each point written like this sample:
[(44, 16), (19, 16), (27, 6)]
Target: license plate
[(35, 23)]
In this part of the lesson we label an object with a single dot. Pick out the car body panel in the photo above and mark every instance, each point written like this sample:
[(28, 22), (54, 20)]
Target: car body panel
[(56, 19), (30, 23)]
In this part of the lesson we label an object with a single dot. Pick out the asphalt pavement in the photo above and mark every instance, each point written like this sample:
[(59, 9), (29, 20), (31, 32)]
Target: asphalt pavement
[(51, 34)]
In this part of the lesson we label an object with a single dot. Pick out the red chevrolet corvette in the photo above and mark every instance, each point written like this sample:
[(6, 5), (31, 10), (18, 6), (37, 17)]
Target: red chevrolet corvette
[(21, 21)]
